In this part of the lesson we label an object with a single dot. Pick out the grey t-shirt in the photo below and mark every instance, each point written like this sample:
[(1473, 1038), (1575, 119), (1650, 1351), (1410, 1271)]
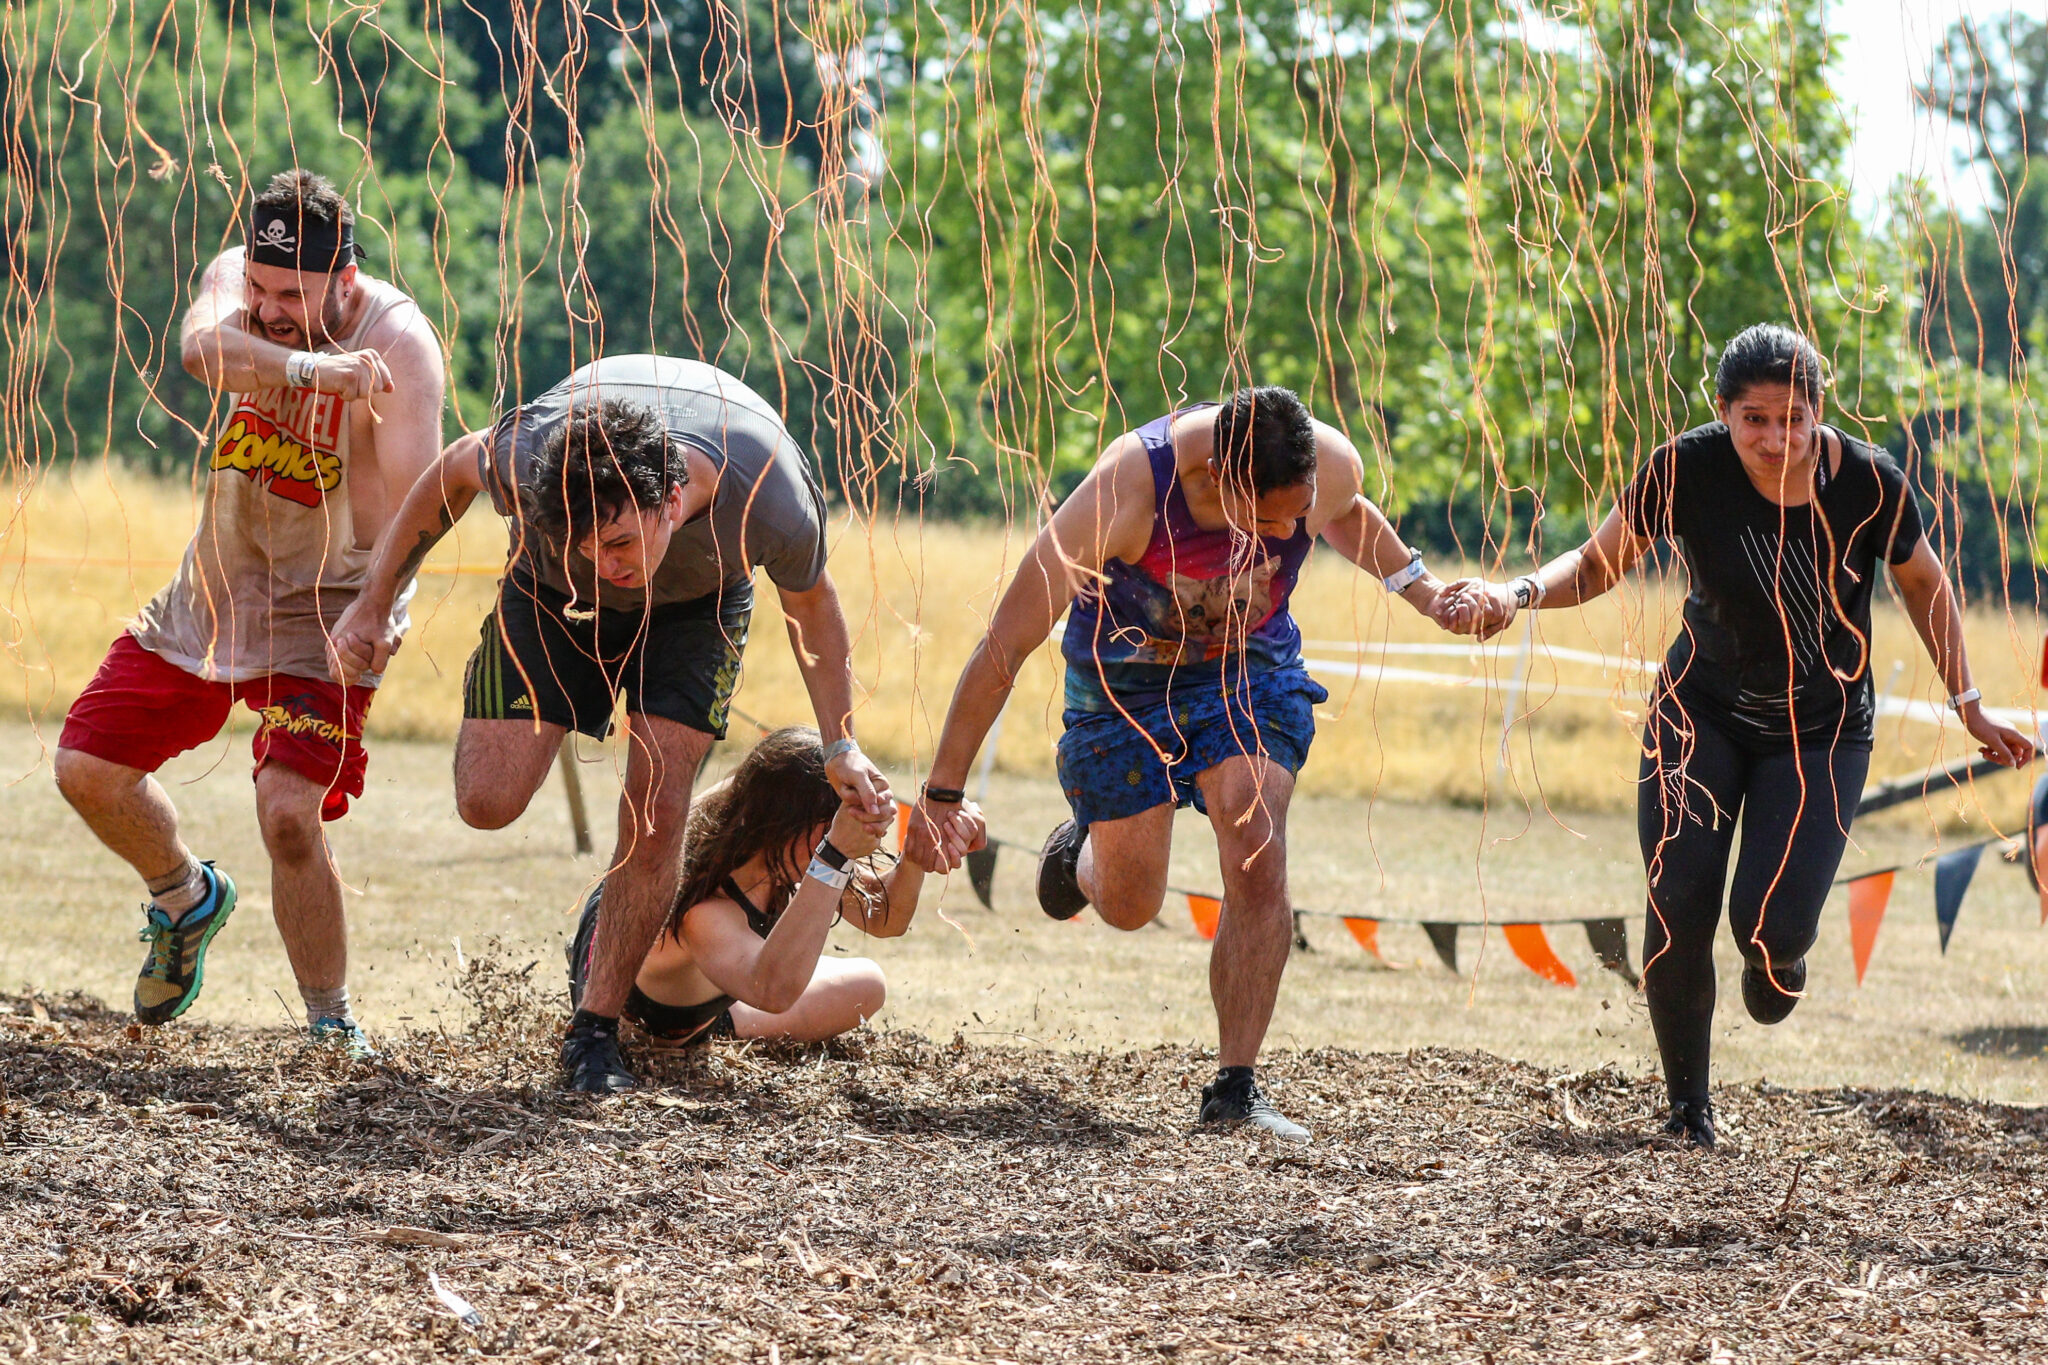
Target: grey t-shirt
[(769, 510)]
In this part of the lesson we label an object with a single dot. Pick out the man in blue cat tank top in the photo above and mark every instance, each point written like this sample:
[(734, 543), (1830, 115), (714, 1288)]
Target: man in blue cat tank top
[(1174, 560)]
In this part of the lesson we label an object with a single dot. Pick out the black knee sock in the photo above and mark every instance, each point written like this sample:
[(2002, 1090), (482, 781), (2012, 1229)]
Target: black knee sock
[(591, 1020)]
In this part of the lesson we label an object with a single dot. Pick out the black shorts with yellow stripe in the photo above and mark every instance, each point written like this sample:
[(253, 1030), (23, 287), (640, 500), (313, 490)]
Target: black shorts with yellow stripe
[(680, 661)]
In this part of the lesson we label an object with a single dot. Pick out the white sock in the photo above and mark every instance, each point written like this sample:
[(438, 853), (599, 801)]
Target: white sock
[(181, 890), (324, 1004)]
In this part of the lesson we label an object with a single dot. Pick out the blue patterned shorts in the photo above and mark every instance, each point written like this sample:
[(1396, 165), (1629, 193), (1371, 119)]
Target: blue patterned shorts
[(1111, 768)]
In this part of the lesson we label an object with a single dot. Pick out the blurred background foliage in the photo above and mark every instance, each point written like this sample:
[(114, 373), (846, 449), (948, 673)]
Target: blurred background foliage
[(1498, 245)]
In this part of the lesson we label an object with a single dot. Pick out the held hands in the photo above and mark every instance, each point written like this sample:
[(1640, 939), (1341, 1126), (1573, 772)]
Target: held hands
[(942, 835), (857, 832), (860, 784), (362, 641), (1474, 606), (1995, 740)]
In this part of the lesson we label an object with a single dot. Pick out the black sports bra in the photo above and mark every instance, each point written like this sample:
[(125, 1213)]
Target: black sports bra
[(708, 1018)]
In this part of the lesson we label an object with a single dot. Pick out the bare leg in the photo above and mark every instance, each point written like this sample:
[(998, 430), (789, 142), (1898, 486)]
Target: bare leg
[(1123, 866), (845, 992), (1257, 929), (127, 808), (639, 891), (305, 890), (499, 765)]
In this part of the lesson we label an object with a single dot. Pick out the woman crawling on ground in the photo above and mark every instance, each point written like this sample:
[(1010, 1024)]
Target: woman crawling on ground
[(771, 860)]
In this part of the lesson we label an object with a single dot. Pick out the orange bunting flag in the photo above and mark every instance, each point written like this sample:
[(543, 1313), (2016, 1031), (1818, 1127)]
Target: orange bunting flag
[(1367, 932), (902, 825), (1868, 897), (1206, 912), (1532, 946)]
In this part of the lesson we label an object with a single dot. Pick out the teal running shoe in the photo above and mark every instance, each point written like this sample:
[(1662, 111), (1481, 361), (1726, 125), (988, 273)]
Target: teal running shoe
[(346, 1034), (176, 967)]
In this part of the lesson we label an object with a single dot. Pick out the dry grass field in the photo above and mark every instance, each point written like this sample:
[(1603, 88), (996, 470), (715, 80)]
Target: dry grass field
[(81, 553)]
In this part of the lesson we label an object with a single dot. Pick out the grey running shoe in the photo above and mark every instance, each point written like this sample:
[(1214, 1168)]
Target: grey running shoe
[(1234, 1098), (1692, 1120), (176, 966), (1059, 888), (346, 1034), (1767, 1003)]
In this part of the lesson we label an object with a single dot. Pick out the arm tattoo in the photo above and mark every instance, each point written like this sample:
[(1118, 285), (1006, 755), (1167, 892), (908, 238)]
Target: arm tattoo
[(428, 539)]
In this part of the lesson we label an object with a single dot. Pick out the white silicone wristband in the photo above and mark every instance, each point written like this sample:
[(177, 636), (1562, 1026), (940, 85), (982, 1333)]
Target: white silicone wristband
[(1401, 579), (834, 877), (1962, 699)]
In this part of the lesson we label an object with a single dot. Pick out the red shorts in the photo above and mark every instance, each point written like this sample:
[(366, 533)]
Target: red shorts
[(141, 711)]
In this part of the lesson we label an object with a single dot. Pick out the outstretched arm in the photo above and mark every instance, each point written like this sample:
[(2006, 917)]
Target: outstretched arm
[(824, 655), (363, 638), (884, 906), (1473, 605), (1931, 605), (1096, 520), (1360, 531)]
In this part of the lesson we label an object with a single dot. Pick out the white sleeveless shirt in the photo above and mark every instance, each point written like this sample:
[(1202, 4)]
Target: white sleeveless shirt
[(275, 560)]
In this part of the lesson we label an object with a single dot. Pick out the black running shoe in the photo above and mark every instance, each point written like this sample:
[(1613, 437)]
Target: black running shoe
[(1767, 1003), (578, 949), (1059, 888), (1236, 1098), (590, 1057), (1692, 1120)]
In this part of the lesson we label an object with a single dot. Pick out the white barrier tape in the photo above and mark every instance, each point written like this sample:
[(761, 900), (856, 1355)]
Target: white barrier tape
[(2027, 721), (1470, 651)]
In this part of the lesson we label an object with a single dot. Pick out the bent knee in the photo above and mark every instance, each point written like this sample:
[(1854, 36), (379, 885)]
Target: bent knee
[(81, 778), (867, 990), (484, 808), (1127, 910), (291, 834)]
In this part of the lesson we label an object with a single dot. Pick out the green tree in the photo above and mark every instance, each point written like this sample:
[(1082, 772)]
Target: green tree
[(1503, 257)]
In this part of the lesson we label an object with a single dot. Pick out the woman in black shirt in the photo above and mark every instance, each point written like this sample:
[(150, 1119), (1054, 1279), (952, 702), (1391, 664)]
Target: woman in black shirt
[(1764, 704)]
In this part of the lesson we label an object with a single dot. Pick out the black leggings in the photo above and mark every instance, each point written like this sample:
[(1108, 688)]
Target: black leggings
[(1795, 806)]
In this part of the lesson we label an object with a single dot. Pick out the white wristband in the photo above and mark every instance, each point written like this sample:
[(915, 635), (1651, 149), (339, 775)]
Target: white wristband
[(1534, 596), (834, 877), (1962, 699), (1399, 580), (298, 369)]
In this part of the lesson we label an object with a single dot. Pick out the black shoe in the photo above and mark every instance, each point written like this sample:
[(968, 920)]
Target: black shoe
[(1767, 1003), (1692, 1120), (590, 1056), (578, 949), (1059, 888), (1236, 1098)]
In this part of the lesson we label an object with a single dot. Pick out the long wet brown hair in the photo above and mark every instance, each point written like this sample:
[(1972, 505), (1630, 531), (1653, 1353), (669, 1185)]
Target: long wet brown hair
[(774, 803)]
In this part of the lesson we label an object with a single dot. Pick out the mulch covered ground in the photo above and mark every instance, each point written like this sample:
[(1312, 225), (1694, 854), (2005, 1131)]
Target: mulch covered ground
[(196, 1194)]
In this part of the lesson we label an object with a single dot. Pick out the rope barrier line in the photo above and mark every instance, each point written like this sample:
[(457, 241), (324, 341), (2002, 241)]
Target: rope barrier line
[(109, 562)]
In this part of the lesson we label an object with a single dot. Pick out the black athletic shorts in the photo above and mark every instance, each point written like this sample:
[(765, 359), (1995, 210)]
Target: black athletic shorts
[(680, 662)]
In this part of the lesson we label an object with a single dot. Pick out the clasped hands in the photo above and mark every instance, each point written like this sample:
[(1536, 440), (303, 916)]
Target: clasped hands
[(1473, 606), (942, 835)]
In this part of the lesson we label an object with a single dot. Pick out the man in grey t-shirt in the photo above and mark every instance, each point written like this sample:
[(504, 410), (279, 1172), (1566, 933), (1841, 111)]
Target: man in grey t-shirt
[(643, 491)]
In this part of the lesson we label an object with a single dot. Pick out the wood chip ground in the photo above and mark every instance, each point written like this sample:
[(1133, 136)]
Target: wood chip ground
[(198, 1194)]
